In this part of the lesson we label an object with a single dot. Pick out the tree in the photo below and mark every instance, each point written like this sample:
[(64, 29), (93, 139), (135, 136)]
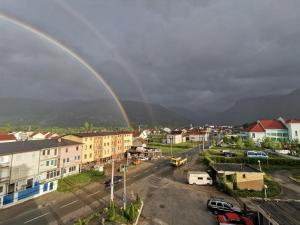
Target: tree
[(249, 143), (112, 211), (131, 213), (240, 144)]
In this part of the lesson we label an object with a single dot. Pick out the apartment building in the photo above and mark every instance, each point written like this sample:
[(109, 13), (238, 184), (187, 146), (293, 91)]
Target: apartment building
[(100, 147), (29, 169)]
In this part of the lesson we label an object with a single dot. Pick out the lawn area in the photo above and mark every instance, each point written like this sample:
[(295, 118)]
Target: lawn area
[(76, 181), (176, 148)]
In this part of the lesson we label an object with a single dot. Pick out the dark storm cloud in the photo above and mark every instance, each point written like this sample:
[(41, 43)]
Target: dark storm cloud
[(189, 53)]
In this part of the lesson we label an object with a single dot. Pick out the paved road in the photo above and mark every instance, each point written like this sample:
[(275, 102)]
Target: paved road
[(290, 189), (64, 210)]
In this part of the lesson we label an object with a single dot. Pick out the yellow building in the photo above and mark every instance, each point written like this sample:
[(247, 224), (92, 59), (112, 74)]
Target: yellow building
[(101, 147), (87, 139), (239, 176)]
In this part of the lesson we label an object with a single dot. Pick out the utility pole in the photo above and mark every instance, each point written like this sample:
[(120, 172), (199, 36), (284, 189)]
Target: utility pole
[(171, 146), (203, 143), (124, 193), (112, 182)]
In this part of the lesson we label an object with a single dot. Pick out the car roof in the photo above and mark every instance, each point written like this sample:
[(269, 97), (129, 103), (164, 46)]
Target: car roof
[(232, 216)]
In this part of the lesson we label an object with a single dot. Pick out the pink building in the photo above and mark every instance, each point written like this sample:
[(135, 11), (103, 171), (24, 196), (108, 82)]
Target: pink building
[(69, 158)]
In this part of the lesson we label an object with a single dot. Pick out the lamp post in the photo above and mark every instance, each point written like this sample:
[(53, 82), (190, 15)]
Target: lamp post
[(259, 166), (112, 182), (265, 187)]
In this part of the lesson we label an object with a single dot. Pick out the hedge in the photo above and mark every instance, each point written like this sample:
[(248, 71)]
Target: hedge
[(273, 161)]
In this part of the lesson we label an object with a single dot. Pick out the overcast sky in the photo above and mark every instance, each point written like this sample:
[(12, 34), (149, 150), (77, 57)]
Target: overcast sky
[(192, 53)]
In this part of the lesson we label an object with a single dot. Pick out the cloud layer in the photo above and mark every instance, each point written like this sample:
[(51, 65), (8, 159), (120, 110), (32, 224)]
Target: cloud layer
[(194, 54)]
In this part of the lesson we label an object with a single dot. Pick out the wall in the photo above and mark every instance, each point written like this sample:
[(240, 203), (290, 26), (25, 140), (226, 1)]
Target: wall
[(69, 159), (294, 131), (253, 181)]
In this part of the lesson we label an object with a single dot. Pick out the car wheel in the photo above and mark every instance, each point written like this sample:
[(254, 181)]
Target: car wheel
[(216, 212)]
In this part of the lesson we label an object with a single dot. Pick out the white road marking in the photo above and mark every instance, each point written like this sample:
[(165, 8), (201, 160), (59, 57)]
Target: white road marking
[(94, 193), (35, 218), (68, 204)]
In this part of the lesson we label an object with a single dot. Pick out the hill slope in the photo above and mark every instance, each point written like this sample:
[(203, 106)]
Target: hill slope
[(75, 112)]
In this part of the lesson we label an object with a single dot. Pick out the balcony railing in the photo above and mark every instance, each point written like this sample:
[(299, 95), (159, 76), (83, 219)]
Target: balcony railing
[(4, 164), (3, 179)]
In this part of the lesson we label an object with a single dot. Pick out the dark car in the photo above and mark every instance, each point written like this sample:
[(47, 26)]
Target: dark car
[(219, 206), (117, 179)]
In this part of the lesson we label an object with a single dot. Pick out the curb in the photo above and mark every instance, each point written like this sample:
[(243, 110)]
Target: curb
[(138, 217)]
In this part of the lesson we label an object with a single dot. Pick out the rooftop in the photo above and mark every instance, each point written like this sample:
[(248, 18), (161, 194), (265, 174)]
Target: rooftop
[(104, 133), (283, 212), (233, 167), (7, 137), (28, 146), (262, 125)]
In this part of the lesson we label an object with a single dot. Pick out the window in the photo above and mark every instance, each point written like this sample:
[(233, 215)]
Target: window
[(253, 135), (78, 157), (296, 133), (48, 152), (84, 156), (244, 176), (91, 155), (64, 160), (1, 189), (200, 178), (90, 146), (47, 163), (76, 148), (44, 152), (68, 160), (219, 204)]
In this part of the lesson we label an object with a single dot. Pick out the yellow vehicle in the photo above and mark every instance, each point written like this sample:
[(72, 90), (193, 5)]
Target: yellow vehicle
[(178, 161)]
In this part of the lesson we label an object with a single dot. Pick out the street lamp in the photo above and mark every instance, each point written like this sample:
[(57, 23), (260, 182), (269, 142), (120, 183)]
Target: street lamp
[(265, 187), (259, 166)]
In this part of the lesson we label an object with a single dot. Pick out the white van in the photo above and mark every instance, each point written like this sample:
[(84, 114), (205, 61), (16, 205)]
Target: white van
[(199, 178)]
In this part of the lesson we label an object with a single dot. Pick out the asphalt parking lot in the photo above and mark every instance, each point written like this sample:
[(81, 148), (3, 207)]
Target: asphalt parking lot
[(169, 200)]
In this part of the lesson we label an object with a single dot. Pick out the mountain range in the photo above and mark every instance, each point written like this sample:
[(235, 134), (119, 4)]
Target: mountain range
[(104, 112)]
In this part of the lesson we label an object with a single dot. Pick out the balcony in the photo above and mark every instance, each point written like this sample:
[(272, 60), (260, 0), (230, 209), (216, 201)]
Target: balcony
[(4, 164), (3, 179)]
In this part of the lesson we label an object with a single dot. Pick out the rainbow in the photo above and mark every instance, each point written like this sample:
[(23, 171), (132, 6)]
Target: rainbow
[(71, 53)]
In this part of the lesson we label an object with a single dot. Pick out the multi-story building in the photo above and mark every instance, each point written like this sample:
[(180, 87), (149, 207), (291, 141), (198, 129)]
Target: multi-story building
[(29, 169), (176, 137), (102, 146), (277, 129), (69, 159)]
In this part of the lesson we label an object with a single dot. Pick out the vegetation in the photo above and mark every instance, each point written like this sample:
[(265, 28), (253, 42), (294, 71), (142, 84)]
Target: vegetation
[(114, 214), (175, 148), (76, 181)]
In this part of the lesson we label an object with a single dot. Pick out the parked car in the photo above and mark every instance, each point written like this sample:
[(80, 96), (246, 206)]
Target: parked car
[(234, 219), (117, 179), (257, 154), (219, 206)]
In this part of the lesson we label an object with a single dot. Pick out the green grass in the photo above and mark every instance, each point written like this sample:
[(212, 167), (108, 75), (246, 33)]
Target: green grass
[(176, 148), (73, 182)]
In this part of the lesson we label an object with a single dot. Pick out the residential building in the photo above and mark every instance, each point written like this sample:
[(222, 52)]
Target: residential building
[(69, 159), (36, 136), (7, 138), (262, 129), (239, 176), (28, 169), (293, 127), (175, 137), (87, 139), (101, 147), (197, 135)]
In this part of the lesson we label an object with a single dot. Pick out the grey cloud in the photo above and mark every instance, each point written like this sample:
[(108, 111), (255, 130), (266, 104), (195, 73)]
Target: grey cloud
[(200, 54)]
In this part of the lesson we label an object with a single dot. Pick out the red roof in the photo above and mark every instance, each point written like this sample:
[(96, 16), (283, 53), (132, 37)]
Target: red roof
[(293, 121), (262, 125), (7, 137)]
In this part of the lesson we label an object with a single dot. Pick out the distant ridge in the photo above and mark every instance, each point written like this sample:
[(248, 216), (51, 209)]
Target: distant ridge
[(74, 113)]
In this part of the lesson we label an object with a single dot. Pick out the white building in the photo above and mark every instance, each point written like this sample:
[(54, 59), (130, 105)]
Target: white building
[(277, 129), (175, 137)]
